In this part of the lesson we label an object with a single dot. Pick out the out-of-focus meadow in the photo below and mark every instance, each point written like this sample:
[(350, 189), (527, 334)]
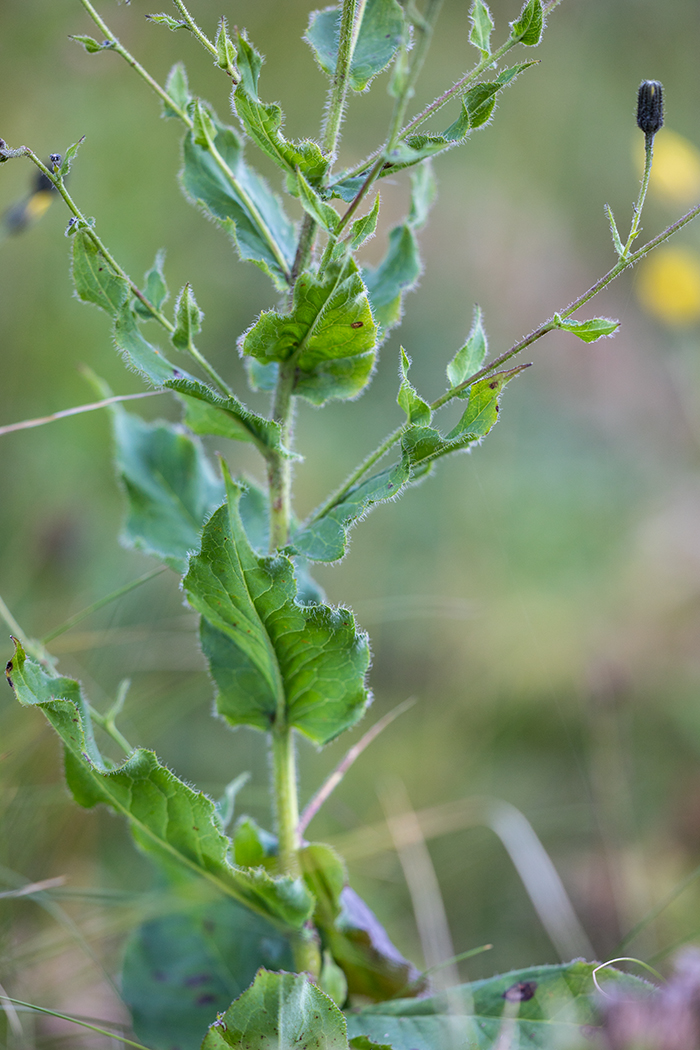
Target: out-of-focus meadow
[(539, 598)]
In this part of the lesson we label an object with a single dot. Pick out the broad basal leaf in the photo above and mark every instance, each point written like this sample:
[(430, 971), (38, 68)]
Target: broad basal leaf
[(471, 357), (240, 201), (377, 42), (325, 539), (169, 820), (170, 486), (280, 1011), (264, 124), (545, 1008), (271, 657), (207, 412), (182, 969), (330, 335), (588, 331)]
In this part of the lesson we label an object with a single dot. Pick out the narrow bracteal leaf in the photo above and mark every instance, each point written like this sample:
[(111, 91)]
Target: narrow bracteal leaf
[(423, 194), (169, 820), (528, 28), (94, 278), (243, 204), (280, 1010), (263, 123), (182, 968), (542, 1007), (207, 412), (326, 538), (379, 37), (472, 355), (397, 273), (330, 333), (141, 355), (178, 89), (154, 288), (588, 331), (188, 320), (203, 126), (166, 20), (71, 152), (482, 27), (225, 48), (481, 413), (417, 410), (364, 228), (171, 487), (260, 643), (91, 45), (326, 216)]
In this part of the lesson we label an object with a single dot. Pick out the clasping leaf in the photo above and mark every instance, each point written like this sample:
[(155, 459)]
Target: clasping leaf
[(471, 357), (588, 331), (482, 27), (417, 410), (528, 28)]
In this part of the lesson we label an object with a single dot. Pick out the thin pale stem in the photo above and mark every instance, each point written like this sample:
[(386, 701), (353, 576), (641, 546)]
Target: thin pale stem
[(27, 424), (637, 213), (100, 604), (74, 1020), (107, 724), (548, 326)]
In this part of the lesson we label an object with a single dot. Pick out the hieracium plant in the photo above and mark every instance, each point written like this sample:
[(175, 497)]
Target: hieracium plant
[(304, 960)]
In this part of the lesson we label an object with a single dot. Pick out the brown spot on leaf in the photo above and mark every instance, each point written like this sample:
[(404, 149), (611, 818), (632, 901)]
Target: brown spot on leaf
[(520, 992), (357, 324)]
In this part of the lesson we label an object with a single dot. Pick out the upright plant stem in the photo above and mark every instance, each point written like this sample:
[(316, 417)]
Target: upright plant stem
[(637, 216), (349, 24)]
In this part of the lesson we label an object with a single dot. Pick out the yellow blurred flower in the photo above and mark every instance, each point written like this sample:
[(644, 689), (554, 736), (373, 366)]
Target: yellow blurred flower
[(675, 175), (668, 286)]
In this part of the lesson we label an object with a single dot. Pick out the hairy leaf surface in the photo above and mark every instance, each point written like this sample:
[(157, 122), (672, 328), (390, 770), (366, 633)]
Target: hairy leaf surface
[(170, 485), (169, 820), (588, 331), (207, 412), (270, 656), (543, 1007), (471, 356), (182, 969), (240, 201), (264, 123), (330, 333), (377, 42), (280, 1011)]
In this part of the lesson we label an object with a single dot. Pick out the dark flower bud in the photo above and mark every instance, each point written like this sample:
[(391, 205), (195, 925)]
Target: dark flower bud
[(55, 160), (650, 106)]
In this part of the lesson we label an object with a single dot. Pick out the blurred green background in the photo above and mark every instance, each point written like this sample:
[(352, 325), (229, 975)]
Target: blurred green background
[(539, 598)]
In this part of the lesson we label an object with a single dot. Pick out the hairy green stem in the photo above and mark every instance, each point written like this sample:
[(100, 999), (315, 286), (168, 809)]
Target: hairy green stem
[(637, 211), (548, 326), (202, 37), (279, 466), (337, 97)]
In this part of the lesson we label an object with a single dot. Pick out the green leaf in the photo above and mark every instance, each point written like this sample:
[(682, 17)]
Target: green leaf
[(169, 820), (528, 28), (325, 539), (166, 20), (481, 413), (267, 654), (261, 377), (71, 152), (264, 123), (95, 279), (480, 101), (178, 89), (482, 27), (588, 331), (241, 203), (324, 214), (252, 845), (188, 320), (377, 42), (330, 334), (423, 194), (154, 288), (170, 486), (204, 128), (140, 354), (91, 45), (417, 410), (207, 412), (280, 1011), (397, 273), (183, 968), (542, 1007), (364, 228), (225, 48), (471, 357)]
